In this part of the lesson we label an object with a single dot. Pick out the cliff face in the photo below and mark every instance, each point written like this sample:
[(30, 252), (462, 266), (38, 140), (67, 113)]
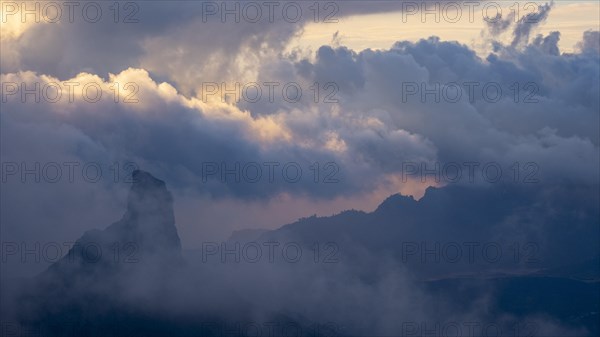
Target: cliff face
[(150, 215), (130, 280), (110, 274), (146, 234)]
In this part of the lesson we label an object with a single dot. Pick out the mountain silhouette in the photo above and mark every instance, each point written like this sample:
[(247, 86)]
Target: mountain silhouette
[(146, 234), (526, 223), (132, 278), (105, 271)]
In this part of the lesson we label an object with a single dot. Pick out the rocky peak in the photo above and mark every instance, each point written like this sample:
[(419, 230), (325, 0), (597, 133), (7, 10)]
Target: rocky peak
[(146, 232)]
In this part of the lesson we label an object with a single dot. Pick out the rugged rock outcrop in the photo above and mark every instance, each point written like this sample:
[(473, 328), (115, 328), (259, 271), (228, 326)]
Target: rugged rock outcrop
[(112, 275)]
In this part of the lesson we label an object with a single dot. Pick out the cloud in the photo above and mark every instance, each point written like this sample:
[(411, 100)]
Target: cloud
[(528, 22), (591, 42), (371, 127), (64, 39)]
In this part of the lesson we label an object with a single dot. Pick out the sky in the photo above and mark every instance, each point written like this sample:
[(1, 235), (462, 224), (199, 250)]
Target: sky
[(164, 70), (381, 30)]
